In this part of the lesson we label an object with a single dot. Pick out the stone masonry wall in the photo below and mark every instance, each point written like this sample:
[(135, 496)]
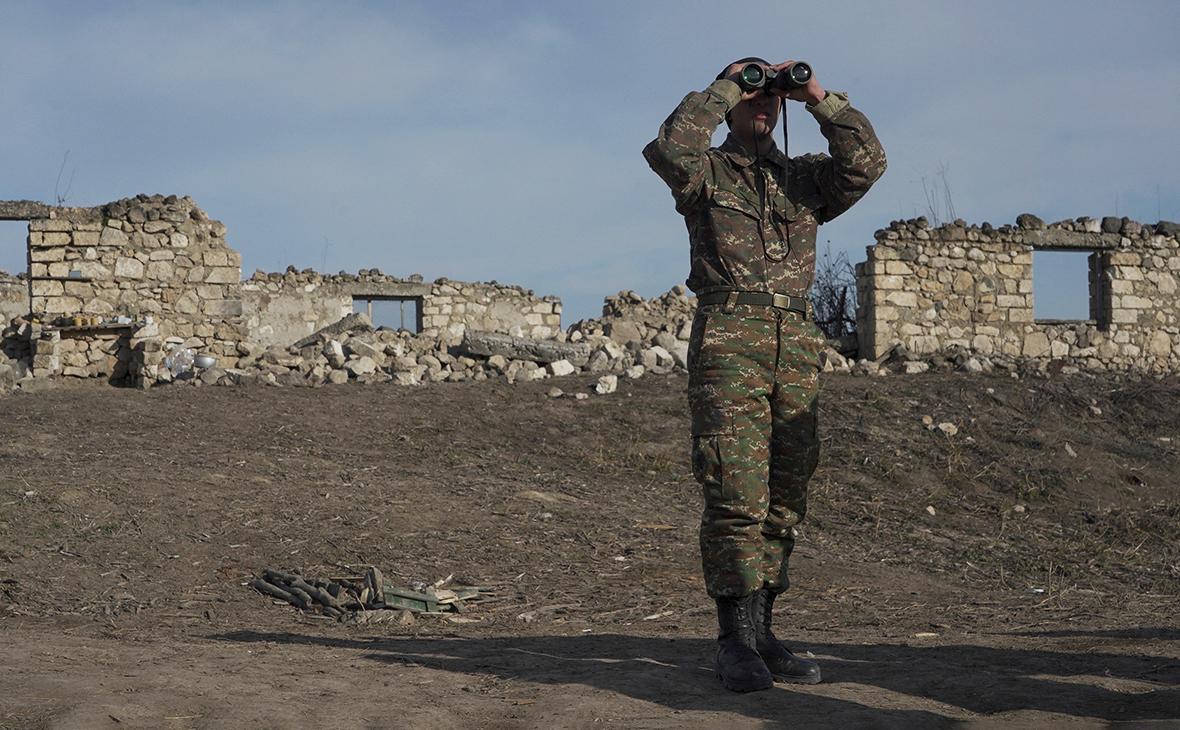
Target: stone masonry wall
[(149, 260), (282, 308), (971, 288)]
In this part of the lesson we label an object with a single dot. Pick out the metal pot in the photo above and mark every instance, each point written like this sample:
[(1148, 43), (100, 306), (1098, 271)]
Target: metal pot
[(204, 361)]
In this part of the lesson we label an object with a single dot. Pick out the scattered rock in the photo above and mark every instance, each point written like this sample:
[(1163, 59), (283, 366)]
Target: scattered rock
[(561, 368), (334, 352), (623, 332), (405, 379), (361, 366), (972, 365), (1030, 222)]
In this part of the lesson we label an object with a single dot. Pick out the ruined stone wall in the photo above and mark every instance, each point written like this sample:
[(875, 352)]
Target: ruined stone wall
[(456, 306), (970, 287), (148, 260), (631, 320), (14, 298), (282, 308)]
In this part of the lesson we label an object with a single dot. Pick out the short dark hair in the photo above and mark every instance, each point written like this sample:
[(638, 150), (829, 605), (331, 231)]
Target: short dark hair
[(747, 59)]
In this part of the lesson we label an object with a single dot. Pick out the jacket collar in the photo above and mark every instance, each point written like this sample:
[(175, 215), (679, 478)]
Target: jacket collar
[(738, 154)]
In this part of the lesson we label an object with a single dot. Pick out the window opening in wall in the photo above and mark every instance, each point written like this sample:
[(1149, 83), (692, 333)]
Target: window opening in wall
[(14, 247), (393, 312), (1066, 285)]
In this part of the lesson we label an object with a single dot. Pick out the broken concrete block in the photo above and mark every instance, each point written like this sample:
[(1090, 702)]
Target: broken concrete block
[(210, 376), (355, 322), (361, 366), (666, 340), (623, 331), (360, 348), (403, 364), (334, 352), (679, 352), (599, 361), (560, 368), (487, 344)]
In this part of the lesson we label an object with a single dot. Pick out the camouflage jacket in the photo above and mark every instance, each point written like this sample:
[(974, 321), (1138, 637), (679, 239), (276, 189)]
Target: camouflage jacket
[(739, 238)]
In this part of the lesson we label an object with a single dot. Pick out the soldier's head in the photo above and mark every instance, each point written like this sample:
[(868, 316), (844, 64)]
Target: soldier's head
[(754, 118)]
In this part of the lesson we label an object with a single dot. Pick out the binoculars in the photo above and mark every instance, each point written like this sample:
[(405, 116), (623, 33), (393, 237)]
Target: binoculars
[(756, 77)]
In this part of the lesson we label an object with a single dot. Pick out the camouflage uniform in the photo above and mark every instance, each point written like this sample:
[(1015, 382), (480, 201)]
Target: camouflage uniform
[(753, 369)]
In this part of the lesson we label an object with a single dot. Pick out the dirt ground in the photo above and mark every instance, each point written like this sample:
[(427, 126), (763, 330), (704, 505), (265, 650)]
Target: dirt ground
[(1025, 570)]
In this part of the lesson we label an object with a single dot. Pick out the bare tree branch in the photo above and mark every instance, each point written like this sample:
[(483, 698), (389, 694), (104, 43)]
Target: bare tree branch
[(833, 295), (59, 195)]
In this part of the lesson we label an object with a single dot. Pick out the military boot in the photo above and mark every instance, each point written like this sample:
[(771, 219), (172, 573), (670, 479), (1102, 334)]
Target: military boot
[(784, 665), (738, 665)]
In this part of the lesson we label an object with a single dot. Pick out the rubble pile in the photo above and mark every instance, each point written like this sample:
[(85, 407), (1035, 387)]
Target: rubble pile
[(629, 318), (633, 338), (16, 352), (901, 361)]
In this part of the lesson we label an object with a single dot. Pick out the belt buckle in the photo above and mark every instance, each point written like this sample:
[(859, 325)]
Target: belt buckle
[(780, 301)]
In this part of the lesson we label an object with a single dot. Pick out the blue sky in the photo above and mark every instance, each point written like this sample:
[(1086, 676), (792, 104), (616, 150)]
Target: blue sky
[(499, 140)]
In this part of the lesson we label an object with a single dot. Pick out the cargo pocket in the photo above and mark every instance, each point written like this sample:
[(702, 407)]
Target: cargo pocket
[(706, 459), (709, 420)]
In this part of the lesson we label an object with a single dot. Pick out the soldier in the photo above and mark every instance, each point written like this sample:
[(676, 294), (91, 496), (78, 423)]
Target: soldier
[(752, 217)]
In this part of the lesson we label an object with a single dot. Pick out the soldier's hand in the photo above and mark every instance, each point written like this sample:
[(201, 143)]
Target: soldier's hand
[(733, 73), (812, 93)]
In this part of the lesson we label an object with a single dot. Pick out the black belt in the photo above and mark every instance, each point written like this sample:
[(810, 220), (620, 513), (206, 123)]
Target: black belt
[(757, 298)]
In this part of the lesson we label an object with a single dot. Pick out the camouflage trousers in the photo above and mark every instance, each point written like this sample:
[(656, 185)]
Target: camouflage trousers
[(752, 391)]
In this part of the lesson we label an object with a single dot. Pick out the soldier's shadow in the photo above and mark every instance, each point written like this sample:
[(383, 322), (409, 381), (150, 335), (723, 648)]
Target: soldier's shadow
[(864, 685)]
